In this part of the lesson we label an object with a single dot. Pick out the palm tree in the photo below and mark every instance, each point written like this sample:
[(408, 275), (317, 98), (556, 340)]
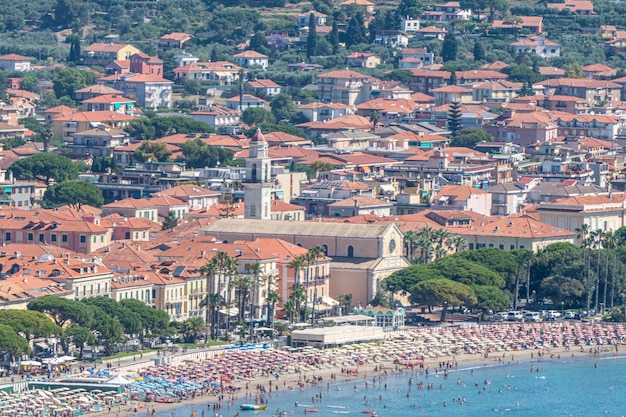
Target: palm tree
[(290, 309), (456, 243), (243, 285), (213, 303), (610, 241), (316, 252), (410, 238), (297, 263), (272, 298), (231, 274), (270, 280), (191, 327), (598, 239), (345, 300), (583, 234), (425, 244), (375, 119), (255, 269)]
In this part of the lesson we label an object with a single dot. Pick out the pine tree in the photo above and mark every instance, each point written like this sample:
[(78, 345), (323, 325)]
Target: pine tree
[(170, 221), (311, 40), (450, 47), (410, 8), (454, 118), (334, 38), (356, 32), (479, 52)]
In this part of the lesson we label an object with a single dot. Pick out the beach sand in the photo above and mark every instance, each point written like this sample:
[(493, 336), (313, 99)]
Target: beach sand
[(406, 347)]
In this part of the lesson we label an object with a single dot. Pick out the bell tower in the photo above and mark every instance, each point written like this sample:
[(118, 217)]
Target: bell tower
[(258, 182)]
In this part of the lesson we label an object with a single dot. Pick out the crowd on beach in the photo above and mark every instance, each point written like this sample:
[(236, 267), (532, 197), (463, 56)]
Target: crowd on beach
[(254, 374)]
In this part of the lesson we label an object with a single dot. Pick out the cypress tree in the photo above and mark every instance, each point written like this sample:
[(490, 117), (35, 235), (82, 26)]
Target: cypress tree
[(454, 118), (449, 48), (334, 38), (479, 52), (356, 31), (311, 40)]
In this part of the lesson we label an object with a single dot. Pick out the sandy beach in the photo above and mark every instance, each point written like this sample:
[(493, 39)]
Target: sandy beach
[(411, 351)]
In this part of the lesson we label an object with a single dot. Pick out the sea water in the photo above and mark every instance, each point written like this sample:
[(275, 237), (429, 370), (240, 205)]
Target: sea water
[(571, 386)]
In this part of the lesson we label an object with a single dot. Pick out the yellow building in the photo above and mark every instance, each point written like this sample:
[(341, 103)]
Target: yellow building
[(521, 232), (64, 126), (599, 212), (105, 53)]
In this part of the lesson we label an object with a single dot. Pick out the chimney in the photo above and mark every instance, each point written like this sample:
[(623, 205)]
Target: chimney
[(202, 254)]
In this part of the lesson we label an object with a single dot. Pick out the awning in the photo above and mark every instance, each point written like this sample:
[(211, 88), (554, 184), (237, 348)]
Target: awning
[(329, 301), (366, 169), (42, 345), (231, 312)]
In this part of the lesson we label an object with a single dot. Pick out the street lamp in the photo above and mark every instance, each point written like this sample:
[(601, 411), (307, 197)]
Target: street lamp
[(562, 305)]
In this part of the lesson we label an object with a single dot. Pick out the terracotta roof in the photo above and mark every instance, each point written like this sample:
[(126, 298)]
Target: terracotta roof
[(344, 74), (579, 82), (108, 98), (176, 36), (15, 57), (494, 66), (283, 138), (342, 122), (146, 78), (422, 98), (361, 201), (551, 71), (94, 116), (596, 68), (218, 66), (452, 89), (480, 75), (389, 105), (250, 54), (137, 203), (263, 83), (458, 192), (359, 2), (525, 227), (105, 47), (189, 190)]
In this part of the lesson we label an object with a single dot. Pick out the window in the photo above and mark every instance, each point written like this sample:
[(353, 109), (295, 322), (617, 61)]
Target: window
[(502, 247), (471, 246), (64, 238), (512, 247), (7, 236), (350, 251), (53, 238), (127, 235), (83, 239), (30, 237)]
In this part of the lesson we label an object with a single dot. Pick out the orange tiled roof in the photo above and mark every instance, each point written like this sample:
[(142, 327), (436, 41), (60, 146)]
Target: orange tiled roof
[(105, 47), (189, 190), (525, 227), (361, 201), (94, 116)]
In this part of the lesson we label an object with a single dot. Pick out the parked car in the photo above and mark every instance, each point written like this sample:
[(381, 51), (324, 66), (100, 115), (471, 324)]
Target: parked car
[(570, 315), (532, 316), (552, 315), (514, 316)]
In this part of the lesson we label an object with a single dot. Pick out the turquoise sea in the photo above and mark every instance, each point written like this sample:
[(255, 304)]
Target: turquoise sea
[(580, 386)]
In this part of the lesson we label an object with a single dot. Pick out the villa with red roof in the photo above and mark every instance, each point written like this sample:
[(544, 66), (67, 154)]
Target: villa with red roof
[(14, 62), (249, 59), (174, 40)]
